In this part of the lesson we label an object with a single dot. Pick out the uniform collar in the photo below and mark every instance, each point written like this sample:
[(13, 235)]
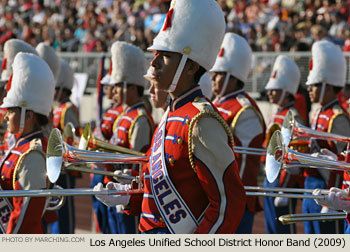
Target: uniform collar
[(29, 137), (287, 106), (185, 98), (330, 105), (228, 96), (133, 107), (65, 100)]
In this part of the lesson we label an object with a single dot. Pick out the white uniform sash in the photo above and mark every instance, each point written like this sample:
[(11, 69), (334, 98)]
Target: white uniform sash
[(171, 206)]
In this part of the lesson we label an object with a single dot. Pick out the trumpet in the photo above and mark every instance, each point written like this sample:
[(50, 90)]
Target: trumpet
[(58, 153), (279, 156), (294, 218), (291, 129)]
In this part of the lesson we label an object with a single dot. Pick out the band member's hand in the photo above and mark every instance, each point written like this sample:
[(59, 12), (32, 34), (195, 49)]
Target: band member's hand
[(123, 177), (336, 199), (112, 199), (281, 202)]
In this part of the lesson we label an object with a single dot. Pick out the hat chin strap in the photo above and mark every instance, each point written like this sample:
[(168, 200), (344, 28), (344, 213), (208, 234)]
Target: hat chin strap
[(281, 97), (224, 86), (125, 92), (178, 73), (21, 122), (323, 89)]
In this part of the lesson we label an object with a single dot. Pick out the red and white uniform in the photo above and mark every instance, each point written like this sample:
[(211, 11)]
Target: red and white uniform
[(134, 128), (212, 190), (23, 168), (64, 113), (333, 119), (243, 116), (108, 120)]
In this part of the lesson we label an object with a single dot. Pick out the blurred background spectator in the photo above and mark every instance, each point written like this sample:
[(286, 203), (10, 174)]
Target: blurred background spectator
[(90, 26)]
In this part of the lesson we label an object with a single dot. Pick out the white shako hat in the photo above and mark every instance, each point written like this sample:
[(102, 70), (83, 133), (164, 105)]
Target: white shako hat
[(285, 75), (32, 86), (48, 54), (205, 84), (11, 48), (65, 77), (129, 64), (327, 66), (235, 58), (193, 28)]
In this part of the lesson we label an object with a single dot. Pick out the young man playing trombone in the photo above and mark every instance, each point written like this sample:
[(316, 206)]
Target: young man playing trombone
[(192, 184), (241, 113), (134, 127), (281, 89), (326, 78)]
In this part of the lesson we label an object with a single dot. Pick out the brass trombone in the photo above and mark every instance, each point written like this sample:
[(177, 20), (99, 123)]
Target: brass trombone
[(88, 141), (58, 153), (291, 129), (294, 218), (279, 156)]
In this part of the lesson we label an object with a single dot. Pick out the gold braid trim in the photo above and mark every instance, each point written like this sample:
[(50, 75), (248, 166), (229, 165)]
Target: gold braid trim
[(115, 123), (331, 124), (20, 160), (207, 113), (134, 122)]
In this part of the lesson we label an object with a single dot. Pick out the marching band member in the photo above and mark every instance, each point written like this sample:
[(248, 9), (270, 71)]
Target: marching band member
[(134, 127), (105, 132), (326, 78), (64, 113), (192, 183), (11, 48), (281, 90), (48, 54), (23, 167), (241, 113)]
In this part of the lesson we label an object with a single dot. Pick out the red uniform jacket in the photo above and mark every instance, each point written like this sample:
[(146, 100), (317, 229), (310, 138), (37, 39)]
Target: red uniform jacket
[(231, 107), (323, 120), (108, 120), (27, 212), (201, 189)]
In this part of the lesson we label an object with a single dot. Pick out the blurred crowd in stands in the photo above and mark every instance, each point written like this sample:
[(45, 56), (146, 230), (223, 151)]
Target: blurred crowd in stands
[(92, 26)]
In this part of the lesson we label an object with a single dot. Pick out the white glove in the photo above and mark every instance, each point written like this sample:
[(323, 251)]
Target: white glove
[(325, 209), (336, 199), (328, 154), (112, 199), (321, 202), (119, 176), (281, 201)]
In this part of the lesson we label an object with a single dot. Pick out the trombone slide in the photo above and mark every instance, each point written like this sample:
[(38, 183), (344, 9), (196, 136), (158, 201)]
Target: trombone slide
[(294, 218)]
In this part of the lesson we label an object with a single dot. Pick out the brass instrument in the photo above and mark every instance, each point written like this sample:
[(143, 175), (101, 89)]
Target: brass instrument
[(59, 152), (294, 218), (279, 156)]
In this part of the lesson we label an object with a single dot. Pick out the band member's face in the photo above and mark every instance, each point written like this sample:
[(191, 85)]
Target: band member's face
[(314, 92), (118, 93), (164, 68), (12, 117), (274, 95), (108, 91), (217, 80), (158, 97)]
